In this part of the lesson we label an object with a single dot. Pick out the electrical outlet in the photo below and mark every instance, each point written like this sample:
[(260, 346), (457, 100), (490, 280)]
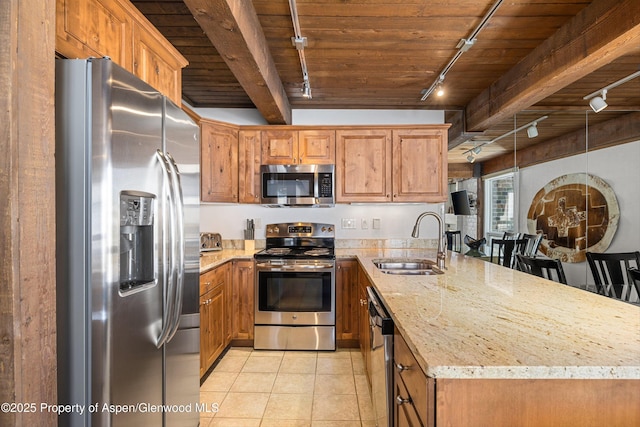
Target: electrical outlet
[(364, 224), (348, 223), (376, 223)]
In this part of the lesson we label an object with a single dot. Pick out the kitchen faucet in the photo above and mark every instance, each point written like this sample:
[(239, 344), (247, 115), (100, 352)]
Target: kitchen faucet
[(416, 231)]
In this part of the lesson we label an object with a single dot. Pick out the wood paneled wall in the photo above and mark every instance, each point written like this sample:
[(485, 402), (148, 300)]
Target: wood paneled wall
[(27, 210)]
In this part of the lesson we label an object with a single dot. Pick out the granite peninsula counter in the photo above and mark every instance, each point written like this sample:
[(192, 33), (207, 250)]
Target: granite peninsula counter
[(481, 320), (502, 348)]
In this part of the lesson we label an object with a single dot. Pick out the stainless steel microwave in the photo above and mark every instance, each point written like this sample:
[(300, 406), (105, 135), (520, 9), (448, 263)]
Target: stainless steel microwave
[(297, 185)]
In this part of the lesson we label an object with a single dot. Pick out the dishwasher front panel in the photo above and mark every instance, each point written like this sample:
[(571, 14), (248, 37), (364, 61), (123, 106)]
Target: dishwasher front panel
[(381, 357)]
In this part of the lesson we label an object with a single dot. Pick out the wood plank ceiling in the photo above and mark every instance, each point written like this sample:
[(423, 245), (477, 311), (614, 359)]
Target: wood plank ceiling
[(534, 58)]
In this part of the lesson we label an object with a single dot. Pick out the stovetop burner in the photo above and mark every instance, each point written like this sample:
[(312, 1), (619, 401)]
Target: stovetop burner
[(299, 240), (318, 252), (277, 251)]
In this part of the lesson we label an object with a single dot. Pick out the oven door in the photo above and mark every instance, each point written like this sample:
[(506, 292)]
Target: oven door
[(295, 294)]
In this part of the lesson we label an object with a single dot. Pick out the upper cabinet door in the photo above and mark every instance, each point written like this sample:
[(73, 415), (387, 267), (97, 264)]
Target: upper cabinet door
[(219, 163), (115, 28), (279, 147), (317, 147), (86, 28), (249, 150), (363, 165), (420, 165)]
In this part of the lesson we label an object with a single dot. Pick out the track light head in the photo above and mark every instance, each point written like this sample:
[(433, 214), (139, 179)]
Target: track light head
[(477, 149), (470, 158), (532, 131), (440, 90), (598, 103), (306, 90)]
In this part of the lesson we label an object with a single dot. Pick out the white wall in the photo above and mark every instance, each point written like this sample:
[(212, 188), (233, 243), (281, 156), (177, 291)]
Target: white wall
[(396, 221), (618, 166)]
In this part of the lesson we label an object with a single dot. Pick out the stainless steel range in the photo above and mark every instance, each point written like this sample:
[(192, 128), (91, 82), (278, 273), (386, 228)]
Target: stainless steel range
[(295, 303)]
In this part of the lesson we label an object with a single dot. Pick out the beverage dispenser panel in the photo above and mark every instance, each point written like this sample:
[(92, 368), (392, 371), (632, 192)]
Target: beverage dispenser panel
[(137, 266)]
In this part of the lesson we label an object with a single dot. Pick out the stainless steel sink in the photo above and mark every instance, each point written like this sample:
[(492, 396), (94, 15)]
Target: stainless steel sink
[(409, 266)]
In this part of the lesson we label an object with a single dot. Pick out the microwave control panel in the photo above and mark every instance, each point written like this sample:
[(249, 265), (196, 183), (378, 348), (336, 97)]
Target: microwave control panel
[(325, 185)]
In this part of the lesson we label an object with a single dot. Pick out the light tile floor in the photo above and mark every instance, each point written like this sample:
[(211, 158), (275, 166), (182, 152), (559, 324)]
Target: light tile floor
[(287, 389)]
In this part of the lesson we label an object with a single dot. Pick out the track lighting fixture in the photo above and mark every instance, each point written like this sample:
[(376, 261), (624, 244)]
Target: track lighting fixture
[(532, 132), (462, 46), (300, 42), (598, 103), (597, 99), (306, 90)]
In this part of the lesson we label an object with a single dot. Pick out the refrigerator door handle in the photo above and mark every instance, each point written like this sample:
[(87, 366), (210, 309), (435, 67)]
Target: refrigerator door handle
[(179, 243), (169, 281)]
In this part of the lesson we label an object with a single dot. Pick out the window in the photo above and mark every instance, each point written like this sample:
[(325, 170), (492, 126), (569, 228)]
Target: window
[(500, 204)]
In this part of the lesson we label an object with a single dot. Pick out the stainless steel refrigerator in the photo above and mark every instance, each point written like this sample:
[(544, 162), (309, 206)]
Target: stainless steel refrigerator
[(127, 205)]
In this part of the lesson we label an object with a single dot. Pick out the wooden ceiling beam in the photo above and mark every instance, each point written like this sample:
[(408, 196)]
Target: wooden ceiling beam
[(234, 30), (616, 131), (599, 34)]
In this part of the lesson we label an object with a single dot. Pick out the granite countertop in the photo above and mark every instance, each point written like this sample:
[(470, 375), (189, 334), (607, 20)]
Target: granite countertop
[(213, 259), (481, 320)]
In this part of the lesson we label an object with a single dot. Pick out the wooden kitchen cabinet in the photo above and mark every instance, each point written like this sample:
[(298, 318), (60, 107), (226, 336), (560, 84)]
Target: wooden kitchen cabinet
[(413, 391), (419, 165), (363, 321), (218, 162), (363, 165), (347, 303), (215, 314), (391, 165), (249, 158), (95, 28), (156, 61), (117, 29), (291, 147), (243, 299)]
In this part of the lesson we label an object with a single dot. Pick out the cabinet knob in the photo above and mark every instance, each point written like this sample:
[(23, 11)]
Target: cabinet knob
[(400, 367), (401, 401)]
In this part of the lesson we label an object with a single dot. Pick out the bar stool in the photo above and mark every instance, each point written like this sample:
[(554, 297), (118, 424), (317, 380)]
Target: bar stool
[(508, 235), (634, 273), (533, 243), (454, 240), (506, 250), (610, 272), (542, 267)]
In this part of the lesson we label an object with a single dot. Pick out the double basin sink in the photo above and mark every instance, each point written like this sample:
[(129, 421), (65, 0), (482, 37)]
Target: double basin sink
[(409, 266)]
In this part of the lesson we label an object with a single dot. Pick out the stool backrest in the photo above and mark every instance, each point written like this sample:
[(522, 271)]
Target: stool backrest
[(533, 243), (611, 272), (454, 240), (506, 249), (543, 267), (634, 273)]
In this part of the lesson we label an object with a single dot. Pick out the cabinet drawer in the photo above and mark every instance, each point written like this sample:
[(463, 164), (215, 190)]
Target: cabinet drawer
[(212, 278), (406, 412), (412, 377)]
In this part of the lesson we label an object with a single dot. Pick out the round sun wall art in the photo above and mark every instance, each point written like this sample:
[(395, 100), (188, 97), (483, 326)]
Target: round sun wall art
[(575, 213)]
